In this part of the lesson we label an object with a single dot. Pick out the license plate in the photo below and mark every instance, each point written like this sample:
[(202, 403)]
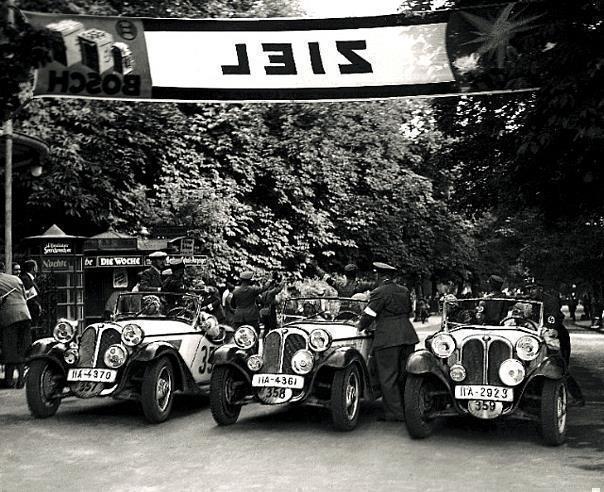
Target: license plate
[(480, 392), (278, 381), (95, 375), (275, 395)]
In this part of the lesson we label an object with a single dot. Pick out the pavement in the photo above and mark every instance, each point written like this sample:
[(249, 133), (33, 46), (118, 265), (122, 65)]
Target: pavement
[(107, 445)]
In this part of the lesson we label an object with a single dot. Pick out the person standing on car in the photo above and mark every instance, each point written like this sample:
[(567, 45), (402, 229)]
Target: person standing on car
[(352, 285), (243, 301), (15, 327), (395, 338), (151, 279)]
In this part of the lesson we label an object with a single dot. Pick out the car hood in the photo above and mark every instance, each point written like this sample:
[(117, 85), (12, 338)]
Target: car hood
[(154, 327), (336, 330), (511, 333)]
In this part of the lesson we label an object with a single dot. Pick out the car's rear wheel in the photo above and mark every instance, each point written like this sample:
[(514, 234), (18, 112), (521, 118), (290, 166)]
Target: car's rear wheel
[(554, 398), (418, 402), (346, 398), (44, 382), (157, 390), (222, 395)]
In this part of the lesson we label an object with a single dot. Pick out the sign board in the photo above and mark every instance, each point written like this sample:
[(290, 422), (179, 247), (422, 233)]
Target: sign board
[(58, 264), (188, 260), (57, 248), (444, 52), (113, 261)]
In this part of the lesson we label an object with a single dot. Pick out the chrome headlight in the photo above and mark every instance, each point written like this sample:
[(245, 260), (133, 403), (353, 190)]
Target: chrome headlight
[(457, 373), (511, 372), (302, 362), (64, 331), (71, 356), (245, 337), (115, 356), (319, 340), (132, 335), (254, 363), (527, 347), (443, 345)]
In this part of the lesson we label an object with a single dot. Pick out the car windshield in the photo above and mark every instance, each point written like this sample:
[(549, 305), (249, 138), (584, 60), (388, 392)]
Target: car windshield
[(492, 311), (157, 305), (322, 309)]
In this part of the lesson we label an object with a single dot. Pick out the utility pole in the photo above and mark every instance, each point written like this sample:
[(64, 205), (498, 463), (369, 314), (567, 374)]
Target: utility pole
[(7, 128)]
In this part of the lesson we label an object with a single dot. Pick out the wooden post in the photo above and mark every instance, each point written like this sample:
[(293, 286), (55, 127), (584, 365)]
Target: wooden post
[(7, 129)]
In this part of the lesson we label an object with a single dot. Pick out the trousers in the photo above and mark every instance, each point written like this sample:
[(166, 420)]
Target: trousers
[(391, 367)]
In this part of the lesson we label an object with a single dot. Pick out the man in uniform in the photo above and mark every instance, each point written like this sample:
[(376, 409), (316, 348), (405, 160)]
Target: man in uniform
[(552, 307), (494, 311), (176, 280), (395, 338), (352, 285), (244, 301), (151, 280)]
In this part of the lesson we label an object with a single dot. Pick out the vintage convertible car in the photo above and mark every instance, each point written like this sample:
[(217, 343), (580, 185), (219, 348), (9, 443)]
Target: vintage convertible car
[(492, 358), (316, 356), (155, 345)]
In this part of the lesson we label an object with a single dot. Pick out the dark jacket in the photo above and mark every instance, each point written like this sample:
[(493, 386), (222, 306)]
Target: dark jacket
[(150, 280), (349, 287), (390, 306), (244, 303)]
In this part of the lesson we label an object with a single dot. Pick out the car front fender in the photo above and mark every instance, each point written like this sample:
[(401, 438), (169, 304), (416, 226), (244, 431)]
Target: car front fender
[(47, 348), (553, 367), (341, 358), (154, 350), (424, 362), (227, 354)]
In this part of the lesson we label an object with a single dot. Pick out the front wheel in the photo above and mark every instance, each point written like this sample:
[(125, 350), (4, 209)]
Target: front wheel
[(157, 390), (554, 397), (418, 402), (346, 398), (44, 382), (222, 395)]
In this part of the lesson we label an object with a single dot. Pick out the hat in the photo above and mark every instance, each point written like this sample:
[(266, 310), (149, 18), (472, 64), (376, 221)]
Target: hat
[(177, 264), (383, 267), (496, 280), (158, 254), (247, 275), (351, 267)]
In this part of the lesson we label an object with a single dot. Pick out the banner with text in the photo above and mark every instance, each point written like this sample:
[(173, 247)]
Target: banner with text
[(487, 49)]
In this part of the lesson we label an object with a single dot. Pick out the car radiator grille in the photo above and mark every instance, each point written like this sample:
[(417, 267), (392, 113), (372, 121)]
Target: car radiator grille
[(293, 343), (473, 360), (87, 345), (272, 352), (108, 337), (498, 352), (277, 354)]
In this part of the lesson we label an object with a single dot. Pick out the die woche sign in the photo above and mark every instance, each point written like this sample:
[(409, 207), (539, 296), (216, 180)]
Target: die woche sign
[(434, 53)]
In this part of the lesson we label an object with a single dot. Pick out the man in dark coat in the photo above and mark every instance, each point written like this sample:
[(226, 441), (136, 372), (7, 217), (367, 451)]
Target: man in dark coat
[(32, 291), (395, 338), (15, 327), (494, 311), (244, 301), (176, 280), (352, 285), (151, 280)]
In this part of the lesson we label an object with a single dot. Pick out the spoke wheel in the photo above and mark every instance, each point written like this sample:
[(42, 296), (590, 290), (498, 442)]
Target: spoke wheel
[(554, 400), (418, 401), (223, 394), (157, 390), (44, 384), (346, 398)]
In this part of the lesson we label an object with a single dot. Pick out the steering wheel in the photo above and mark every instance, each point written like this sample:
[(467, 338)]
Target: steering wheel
[(180, 312), (520, 321), (346, 315)]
